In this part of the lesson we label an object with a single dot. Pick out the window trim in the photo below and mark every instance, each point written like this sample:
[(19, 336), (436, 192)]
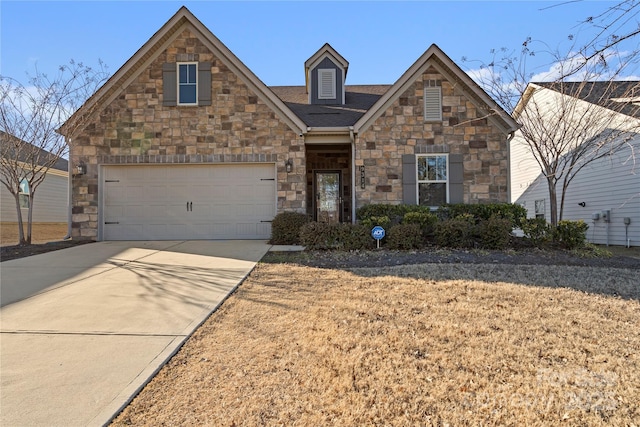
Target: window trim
[(179, 85), (432, 94), (419, 181), (22, 195), (542, 203), (332, 74)]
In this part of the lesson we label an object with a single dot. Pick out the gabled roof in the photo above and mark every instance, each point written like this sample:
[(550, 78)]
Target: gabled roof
[(435, 57), (358, 99), (326, 50), (620, 96), (183, 19), (26, 153)]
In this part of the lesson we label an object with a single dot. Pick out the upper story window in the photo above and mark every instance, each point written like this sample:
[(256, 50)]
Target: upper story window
[(23, 195), (326, 83), (433, 179), (187, 83), (432, 101)]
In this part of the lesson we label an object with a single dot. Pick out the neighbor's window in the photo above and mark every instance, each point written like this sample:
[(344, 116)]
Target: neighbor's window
[(326, 83), (432, 179), (432, 101), (539, 208), (23, 194), (187, 83)]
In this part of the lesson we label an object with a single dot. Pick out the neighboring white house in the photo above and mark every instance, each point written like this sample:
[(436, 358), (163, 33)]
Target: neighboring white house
[(605, 193), (51, 202)]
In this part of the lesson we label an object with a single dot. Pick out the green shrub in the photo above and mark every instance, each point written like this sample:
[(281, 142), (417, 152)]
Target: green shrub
[(570, 234), (536, 230), (382, 221), (323, 236), (318, 235), (285, 228), (353, 237), (426, 220), (405, 237), (494, 233), (395, 213), (511, 211), (455, 233)]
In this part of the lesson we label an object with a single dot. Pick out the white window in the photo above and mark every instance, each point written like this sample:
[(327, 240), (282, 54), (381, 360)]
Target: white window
[(326, 83), (433, 179), (432, 103), (539, 208), (23, 194), (187, 83)]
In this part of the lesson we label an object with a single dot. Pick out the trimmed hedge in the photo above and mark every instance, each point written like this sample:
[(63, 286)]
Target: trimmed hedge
[(494, 233), (324, 236), (405, 237), (511, 211), (571, 234), (285, 228)]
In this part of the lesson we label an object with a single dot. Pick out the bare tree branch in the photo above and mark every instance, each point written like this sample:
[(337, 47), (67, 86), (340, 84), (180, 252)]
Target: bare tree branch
[(29, 118)]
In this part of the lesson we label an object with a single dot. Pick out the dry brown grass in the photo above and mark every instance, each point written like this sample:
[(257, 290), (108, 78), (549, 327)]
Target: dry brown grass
[(426, 345), (40, 232)]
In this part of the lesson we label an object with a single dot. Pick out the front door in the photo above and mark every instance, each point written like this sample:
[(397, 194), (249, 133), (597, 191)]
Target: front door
[(328, 197)]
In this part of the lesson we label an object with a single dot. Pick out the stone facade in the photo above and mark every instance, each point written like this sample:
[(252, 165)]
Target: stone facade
[(401, 129), (135, 128)]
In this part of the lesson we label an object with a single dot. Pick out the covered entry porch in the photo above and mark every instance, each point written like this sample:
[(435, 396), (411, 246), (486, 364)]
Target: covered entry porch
[(329, 182)]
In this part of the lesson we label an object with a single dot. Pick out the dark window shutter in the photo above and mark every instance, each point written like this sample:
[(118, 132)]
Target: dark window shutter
[(409, 180), (456, 178), (169, 84), (204, 83)]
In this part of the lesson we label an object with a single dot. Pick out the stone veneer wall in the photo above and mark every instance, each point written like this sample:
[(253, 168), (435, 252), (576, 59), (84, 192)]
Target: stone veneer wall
[(401, 129), (137, 129)]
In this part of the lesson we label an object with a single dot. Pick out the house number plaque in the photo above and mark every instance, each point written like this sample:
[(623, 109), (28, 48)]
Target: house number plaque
[(362, 177)]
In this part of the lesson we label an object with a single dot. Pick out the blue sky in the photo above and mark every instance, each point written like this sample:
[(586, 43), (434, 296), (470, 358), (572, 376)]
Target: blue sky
[(379, 39)]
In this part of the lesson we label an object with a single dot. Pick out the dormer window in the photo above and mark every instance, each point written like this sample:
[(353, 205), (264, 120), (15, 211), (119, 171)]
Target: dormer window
[(326, 83)]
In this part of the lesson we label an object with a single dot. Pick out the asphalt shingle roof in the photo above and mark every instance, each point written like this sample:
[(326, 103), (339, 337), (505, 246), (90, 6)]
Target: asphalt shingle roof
[(603, 93), (358, 99)]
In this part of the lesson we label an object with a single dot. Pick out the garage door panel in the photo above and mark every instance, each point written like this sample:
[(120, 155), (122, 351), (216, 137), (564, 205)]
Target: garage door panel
[(174, 202)]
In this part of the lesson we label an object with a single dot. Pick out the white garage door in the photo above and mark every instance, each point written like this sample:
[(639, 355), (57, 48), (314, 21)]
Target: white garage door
[(186, 202)]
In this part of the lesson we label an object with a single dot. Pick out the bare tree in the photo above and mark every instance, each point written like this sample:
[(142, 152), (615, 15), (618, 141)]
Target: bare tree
[(29, 117), (614, 29), (566, 122)]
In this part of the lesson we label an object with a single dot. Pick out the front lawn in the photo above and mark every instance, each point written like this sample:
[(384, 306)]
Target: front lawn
[(409, 345)]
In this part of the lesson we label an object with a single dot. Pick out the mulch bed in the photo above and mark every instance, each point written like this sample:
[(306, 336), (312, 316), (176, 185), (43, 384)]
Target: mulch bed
[(8, 253), (386, 258)]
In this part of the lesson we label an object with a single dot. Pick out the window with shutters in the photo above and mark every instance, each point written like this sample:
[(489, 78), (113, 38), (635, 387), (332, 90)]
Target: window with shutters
[(326, 83), (432, 102), (433, 179), (187, 83)]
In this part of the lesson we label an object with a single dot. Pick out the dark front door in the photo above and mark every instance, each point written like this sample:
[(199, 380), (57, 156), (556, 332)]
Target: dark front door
[(328, 196)]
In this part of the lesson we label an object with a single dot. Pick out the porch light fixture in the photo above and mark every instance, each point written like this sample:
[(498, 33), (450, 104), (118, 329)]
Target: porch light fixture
[(81, 169), (288, 166), (583, 204)]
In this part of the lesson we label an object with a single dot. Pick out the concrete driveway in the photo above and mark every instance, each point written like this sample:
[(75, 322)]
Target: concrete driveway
[(83, 329)]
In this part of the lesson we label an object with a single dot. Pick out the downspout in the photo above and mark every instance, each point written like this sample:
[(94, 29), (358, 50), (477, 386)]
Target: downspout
[(510, 137), (352, 136), (69, 197)]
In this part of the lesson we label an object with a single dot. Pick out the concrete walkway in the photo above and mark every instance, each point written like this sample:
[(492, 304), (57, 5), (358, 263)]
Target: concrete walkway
[(82, 329)]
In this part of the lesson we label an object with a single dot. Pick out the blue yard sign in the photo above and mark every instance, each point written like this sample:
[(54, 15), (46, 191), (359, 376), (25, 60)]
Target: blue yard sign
[(377, 233)]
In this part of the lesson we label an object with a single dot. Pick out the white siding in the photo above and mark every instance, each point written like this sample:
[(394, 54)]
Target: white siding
[(611, 183), (50, 202)]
